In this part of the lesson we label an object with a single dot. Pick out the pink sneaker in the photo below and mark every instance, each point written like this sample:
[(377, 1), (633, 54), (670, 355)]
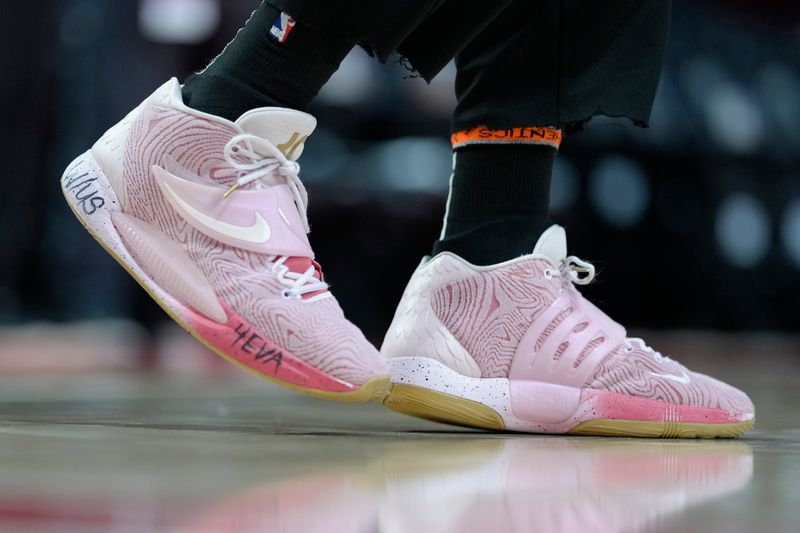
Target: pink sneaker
[(515, 346), (210, 218)]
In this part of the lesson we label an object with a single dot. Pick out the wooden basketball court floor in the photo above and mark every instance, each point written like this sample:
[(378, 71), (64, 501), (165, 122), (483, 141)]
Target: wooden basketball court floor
[(135, 451)]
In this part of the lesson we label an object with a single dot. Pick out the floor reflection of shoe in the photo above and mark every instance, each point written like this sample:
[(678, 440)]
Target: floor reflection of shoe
[(515, 346), (555, 485), (474, 485), (323, 503), (209, 216)]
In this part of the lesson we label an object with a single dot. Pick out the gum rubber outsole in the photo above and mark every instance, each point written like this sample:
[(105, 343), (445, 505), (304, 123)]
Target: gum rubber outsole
[(375, 389), (442, 407), (663, 430)]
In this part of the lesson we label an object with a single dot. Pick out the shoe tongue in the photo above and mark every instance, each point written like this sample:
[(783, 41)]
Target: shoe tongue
[(552, 244), (287, 129), (300, 264)]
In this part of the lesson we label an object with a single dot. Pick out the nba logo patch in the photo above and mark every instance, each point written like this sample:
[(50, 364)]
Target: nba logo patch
[(282, 27)]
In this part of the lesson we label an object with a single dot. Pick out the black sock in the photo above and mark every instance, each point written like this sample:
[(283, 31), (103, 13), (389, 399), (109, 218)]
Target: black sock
[(499, 201), (256, 69)]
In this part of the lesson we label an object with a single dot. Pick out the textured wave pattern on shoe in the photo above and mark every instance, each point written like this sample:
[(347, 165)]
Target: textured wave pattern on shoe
[(640, 373), (237, 340), (317, 333), (490, 312), (196, 144), (417, 331)]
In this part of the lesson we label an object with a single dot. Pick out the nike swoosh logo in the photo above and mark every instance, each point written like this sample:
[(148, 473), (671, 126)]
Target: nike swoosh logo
[(258, 232), (683, 378)]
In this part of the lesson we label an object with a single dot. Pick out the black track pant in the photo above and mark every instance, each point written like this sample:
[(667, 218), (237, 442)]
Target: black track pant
[(520, 62)]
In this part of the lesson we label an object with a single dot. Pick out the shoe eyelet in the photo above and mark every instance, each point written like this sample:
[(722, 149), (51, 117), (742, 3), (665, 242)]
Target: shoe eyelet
[(548, 274), (286, 294)]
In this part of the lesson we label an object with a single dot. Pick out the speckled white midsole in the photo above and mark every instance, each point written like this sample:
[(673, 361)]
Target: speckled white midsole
[(495, 393)]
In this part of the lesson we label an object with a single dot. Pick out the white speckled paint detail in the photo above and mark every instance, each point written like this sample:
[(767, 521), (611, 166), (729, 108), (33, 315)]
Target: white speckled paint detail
[(552, 411), (431, 374), (84, 179), (494, 393)]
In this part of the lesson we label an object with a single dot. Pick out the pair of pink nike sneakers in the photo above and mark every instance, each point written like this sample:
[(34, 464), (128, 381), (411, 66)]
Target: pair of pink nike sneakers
[(209, 216)]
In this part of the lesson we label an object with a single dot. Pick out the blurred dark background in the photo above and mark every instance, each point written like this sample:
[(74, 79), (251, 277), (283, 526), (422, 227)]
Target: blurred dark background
[(694, 222)]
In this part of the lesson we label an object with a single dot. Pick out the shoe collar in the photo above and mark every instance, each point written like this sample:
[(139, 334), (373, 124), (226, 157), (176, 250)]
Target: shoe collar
[(285, 128), (551, 247)]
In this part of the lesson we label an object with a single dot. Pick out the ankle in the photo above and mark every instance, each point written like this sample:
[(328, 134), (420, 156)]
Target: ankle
[(494, 241), (499, 202), (264, 68)]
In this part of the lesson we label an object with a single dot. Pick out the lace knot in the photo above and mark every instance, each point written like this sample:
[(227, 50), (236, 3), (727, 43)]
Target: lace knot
[(289, 168), (251, 166)]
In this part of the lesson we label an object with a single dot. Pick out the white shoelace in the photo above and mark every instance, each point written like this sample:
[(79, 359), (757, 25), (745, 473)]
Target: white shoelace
[(263, 168), (582, 272), (574, 269), (298, 284)]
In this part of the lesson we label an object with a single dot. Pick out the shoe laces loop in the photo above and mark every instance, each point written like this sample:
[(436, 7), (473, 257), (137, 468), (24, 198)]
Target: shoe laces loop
[(251, 166), (298, 284), (631, 343), (576, 270)]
